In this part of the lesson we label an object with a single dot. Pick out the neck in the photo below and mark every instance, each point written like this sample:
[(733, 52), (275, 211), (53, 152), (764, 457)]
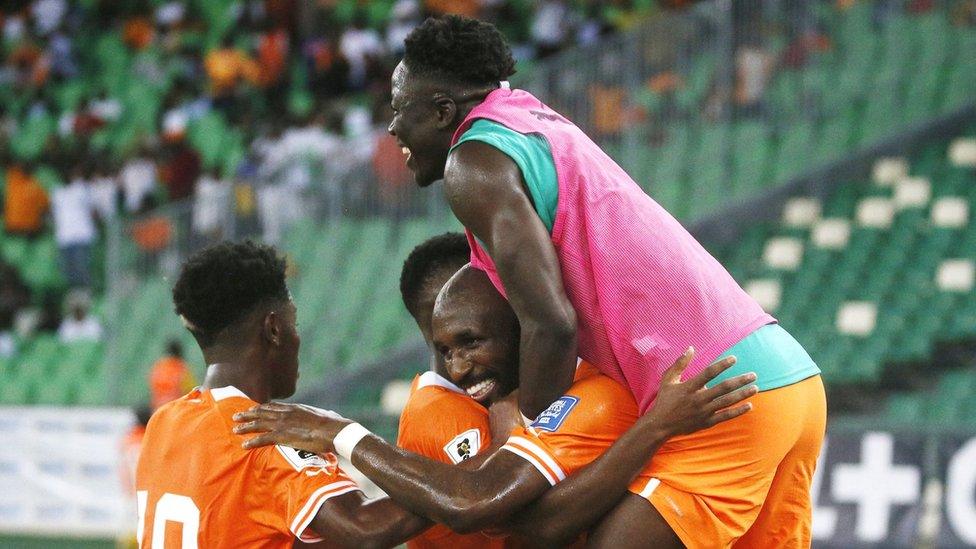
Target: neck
[(223, 374), (241, 371)]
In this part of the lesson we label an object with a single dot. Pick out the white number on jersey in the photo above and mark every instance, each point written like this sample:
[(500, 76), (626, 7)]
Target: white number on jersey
[(173, 508)]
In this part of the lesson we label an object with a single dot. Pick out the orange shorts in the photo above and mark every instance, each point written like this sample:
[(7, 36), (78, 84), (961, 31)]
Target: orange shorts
[(747, 481)]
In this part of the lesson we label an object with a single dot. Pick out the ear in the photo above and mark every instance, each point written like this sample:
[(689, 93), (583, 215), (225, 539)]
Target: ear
[(271, 328), (446, 110)]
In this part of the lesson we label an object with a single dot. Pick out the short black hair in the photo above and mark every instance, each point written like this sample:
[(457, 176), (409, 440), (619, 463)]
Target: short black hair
[(449, 250), (221, 284), (465, 50)]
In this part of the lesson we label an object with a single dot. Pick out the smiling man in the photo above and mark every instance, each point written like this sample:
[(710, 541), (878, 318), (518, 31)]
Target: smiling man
[(595, 268), (476, 333)]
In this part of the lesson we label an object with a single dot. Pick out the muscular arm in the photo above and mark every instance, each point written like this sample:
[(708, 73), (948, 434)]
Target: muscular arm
[(574, 505), (351, 520), (465, 500), (485, 190)]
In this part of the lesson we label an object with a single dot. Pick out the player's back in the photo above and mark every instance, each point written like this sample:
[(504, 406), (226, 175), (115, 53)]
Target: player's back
[(196, 485)]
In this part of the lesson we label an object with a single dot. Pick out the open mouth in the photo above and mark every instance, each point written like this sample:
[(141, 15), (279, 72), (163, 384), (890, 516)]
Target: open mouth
[(406, 152), (481, 390)]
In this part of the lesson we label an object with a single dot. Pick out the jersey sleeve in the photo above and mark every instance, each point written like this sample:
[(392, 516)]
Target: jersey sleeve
[(443, 426), (576, 428), (301, 482)]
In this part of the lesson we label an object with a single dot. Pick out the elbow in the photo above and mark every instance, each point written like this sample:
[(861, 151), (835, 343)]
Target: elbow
[(558, 326), (466, 515)]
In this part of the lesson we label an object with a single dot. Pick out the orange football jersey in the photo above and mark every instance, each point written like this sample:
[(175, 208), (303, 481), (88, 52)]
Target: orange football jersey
[(196, 486), (443, 423), (577, 427)]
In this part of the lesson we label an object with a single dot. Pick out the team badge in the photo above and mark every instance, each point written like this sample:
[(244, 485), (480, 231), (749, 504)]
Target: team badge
[(303, 459), (552, 417), (464, 446)]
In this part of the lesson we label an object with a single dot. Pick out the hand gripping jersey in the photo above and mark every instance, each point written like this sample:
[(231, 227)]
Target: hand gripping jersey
[(643, 288), (196, 486), (443, 423)]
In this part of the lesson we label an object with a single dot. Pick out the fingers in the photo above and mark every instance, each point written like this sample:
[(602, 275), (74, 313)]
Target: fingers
[(256, 413), (256, 426), (673, 374), (727, 414), (267, 439), (710, 373), (728, 386), (732, 398)]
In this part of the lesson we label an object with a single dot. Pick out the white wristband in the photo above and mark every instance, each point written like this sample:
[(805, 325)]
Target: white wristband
[(347, 439)]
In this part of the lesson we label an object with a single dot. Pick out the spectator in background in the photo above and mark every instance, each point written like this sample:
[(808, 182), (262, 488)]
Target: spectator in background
[(105, 192), (48, 15), (361, 46), (211, 204), (170, 377), (406, 16), (78, 324), (550, 27), (25, 201), (226, 67), (74, 230), (14, 297), (138, 180), (753, 71), (180, 171)]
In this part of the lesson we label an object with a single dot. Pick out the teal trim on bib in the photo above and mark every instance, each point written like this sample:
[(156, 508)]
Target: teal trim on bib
[(533, 156), (775, 356)]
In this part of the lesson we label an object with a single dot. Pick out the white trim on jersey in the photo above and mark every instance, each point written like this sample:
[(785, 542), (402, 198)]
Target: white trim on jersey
[(538, 457), (304, 517), (433, 379), (220, 393)]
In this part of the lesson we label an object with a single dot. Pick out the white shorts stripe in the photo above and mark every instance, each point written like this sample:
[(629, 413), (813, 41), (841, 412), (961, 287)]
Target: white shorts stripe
[(535, 463), (529, 446)]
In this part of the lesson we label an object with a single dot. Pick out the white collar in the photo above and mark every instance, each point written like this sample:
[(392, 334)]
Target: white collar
[(220, 393), (433, 379)]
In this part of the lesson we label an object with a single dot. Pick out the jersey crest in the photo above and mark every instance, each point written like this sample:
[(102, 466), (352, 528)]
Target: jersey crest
[(303, 459), (553, 417), (464, 446)]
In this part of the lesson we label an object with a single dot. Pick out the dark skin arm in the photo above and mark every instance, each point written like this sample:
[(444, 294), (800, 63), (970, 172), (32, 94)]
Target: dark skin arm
[(351, 520), (485, 190), (470, 500), (575, 505)]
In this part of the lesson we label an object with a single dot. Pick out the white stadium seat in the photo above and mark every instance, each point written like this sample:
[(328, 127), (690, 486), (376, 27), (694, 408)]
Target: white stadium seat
[(857, 318), (876, 212), (783, 253), (956, 275), (832, 233), (962, 152), (394, 396), (950, 212), (801, 212), (889, 170), (766, 291), (912, 192)]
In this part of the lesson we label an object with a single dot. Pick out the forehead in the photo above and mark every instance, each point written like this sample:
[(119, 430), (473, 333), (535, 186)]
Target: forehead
[(405, 85)]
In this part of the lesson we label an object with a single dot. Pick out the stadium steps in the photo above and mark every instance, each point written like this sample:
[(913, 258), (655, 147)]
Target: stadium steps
[(879, 275)]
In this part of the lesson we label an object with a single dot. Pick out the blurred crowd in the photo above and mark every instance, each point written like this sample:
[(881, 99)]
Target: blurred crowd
[(110, 109)]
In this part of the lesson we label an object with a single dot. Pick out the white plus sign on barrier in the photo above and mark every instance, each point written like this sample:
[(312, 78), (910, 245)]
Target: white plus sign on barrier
[(875, 484)]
